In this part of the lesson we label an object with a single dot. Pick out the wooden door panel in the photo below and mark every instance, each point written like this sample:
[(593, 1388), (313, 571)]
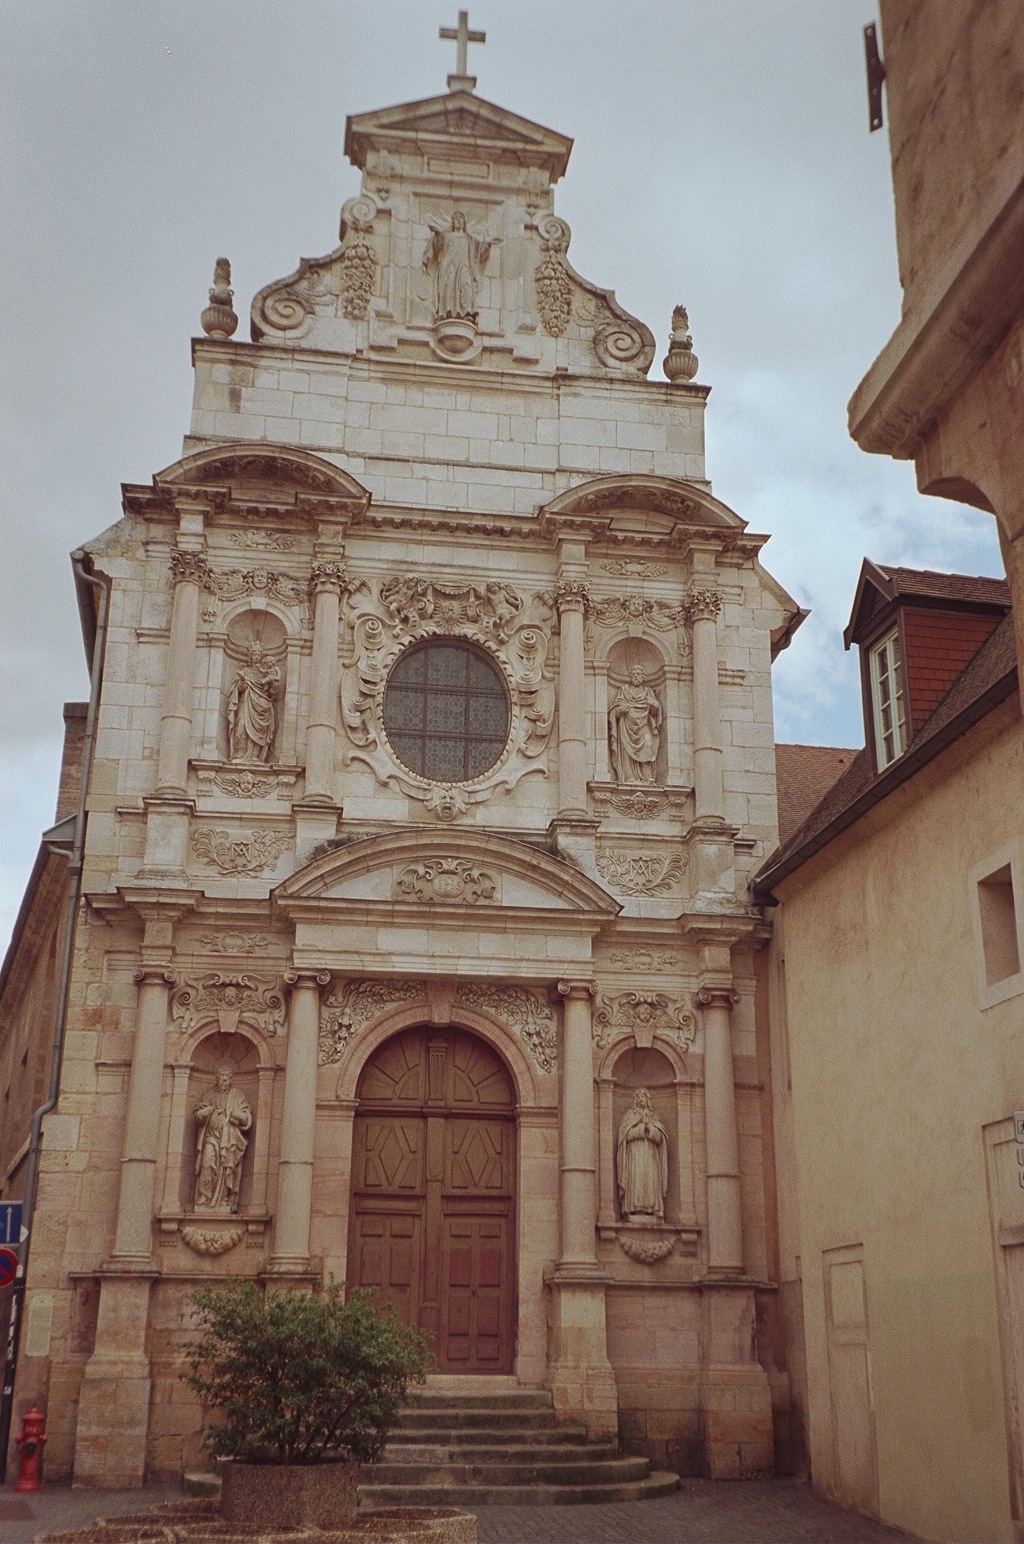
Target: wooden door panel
[(389, 1153), (388, 1247), (477, 1295), (478, 1157)]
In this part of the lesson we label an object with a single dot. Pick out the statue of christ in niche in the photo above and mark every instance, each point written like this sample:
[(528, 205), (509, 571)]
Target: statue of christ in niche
[(456, 259)]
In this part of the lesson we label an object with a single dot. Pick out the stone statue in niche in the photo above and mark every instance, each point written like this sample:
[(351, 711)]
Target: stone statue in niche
[(634, 730), (252, 714), (641, 1161), (222, 1117), (456, 259)]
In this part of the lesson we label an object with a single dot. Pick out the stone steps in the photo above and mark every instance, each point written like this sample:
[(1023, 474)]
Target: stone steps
[(479, 1446)]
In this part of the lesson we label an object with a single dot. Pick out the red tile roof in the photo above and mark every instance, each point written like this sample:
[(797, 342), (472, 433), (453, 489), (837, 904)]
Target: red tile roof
[(804, 774), (963, 587)]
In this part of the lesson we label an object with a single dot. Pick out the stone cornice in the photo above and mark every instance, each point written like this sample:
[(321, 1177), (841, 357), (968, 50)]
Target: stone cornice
[(931, 355)]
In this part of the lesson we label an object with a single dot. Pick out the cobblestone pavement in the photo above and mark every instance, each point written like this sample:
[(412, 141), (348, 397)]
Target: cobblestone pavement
[(729, 1512)]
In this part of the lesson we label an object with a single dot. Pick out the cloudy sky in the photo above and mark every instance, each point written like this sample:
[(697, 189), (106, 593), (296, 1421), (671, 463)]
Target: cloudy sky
[(722, 160)]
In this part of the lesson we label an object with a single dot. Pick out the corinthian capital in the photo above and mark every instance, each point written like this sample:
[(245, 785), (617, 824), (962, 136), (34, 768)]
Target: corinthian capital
[(190, 567), (704, 605), (327, 574), (572, 595)]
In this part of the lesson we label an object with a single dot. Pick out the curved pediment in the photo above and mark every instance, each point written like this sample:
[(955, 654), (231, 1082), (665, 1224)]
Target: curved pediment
[(264, 466), (445, 870), (613, 500)]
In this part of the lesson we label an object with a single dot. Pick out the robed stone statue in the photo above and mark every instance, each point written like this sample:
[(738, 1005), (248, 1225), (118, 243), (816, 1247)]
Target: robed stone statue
[(252, 716), (222, 1117), (641, 1161), (456, 260), (634, 730)]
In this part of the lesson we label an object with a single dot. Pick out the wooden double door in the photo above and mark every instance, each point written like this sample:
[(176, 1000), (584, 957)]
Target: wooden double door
[(433, 1193)]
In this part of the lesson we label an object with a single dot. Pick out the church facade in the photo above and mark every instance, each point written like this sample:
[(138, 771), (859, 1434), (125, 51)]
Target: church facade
[(433, 755)]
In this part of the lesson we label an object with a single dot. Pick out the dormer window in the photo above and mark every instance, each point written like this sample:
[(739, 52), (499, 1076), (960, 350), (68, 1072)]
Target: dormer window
[(887, 699)]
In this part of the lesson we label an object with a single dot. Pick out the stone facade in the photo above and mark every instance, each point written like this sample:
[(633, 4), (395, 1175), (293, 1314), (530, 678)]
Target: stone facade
[(439, 432)]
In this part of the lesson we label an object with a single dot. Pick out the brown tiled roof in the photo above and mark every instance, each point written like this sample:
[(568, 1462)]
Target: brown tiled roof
[(989, 678), (964, 587), (804, 774)]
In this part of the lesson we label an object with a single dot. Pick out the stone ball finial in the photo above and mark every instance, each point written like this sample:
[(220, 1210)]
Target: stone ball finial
[(219, 319), (680, 363)]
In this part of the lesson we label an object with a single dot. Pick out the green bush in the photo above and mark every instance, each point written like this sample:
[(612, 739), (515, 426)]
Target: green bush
[(298, 1378)]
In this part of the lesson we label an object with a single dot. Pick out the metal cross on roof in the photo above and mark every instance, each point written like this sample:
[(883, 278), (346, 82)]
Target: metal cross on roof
[(461, 37)]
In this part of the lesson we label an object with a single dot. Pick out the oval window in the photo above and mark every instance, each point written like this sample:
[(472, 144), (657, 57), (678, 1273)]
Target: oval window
[(446, 711)]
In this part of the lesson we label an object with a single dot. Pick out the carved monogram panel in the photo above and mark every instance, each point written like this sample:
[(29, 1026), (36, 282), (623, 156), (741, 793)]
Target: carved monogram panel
[(632, 873)]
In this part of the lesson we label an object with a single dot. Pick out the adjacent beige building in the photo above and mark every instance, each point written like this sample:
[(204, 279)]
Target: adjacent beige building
[(434, 753)]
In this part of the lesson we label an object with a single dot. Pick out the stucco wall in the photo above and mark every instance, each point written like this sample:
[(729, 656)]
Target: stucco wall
[(895, 1068)]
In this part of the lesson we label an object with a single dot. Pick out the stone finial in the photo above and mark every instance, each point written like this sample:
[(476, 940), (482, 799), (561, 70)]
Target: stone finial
[(219, 319), (680, 363)]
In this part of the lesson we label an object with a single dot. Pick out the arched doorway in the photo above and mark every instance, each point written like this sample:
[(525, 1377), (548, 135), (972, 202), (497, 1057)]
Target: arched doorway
[(433, 1193)]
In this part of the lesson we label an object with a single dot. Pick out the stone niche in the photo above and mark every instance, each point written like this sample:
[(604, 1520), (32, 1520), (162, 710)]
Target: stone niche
[(625, 656), (652, 1070), (238, 1053)]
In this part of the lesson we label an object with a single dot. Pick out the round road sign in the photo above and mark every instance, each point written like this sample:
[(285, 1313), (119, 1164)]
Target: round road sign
[(8, 1267)]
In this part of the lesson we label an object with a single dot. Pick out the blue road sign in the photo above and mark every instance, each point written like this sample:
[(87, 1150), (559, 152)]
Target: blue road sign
[(10, 1222), (8, 1267)]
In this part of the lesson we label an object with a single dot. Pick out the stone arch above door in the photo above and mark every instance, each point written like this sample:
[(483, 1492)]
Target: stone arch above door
[(434, 1181)]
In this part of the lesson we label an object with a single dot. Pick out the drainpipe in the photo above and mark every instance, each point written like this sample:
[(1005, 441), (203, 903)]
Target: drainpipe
[(74, 895)]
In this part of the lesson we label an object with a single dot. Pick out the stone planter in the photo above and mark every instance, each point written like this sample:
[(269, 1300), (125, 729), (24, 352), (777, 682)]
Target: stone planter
[(273, 1496)]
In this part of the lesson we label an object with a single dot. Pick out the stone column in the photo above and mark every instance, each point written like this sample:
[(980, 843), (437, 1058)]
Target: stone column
[(295, 1169), (579, 1374), (140, 1145), (577, 1138), (326, 584), (725, 1218), (705, 605), (189, 570), (573, 598)]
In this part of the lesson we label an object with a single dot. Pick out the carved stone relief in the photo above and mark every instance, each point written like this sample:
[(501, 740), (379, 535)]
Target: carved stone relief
[(251, 707), (227, 999), (234, 943), (643, 959), (354, 1005), (633, 568), (513, 629), (238, 852), (641, 1162), (521, 1011), (247, 784), (277, 541), (643, 1015), (551, 281), (646, 1248), (640, 873), (222, 1118), (637, 805), (622, 610), (211, 1241), (444, 879), (634, 730)]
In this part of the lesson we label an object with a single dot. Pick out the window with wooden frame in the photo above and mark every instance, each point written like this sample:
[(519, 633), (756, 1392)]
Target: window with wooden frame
[(888, 699)]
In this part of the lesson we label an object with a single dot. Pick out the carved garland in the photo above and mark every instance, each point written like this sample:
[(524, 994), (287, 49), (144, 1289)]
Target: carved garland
[(228, 999), (351, 1007), (208, 1241), (521, 1011), (234, 943)]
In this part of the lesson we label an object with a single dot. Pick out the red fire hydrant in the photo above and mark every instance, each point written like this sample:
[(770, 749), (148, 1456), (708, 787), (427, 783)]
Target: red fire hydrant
[(31, 1444)]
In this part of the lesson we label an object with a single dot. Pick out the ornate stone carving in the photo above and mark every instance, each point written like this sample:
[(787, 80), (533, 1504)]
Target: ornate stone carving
[(234, 583), (704, 605), (641, 1161), (622, 610), (351, 1007), (634, 568), (418, 605), (219, 319), (191, 567), (251, 716), (640, 873), (645, 959), (277, 541), (327, 574), (245, 784), (520, 1010), (552, 284), (358, 264), (646, 1249), (211, 1241), (228, 999), (445, 879), (234, 943), (634, 730), (237, 852), (619, 342), (644, 1014), (446, 801), (455, 258), (680, 363), (222, 1118), (573, 593), (637, 805)]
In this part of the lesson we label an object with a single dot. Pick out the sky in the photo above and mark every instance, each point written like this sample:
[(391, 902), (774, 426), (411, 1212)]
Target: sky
[(722, 161)]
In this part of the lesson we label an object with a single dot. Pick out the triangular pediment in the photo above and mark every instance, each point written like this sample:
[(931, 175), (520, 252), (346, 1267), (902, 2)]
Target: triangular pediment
[(470, 124), (447, 871)]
